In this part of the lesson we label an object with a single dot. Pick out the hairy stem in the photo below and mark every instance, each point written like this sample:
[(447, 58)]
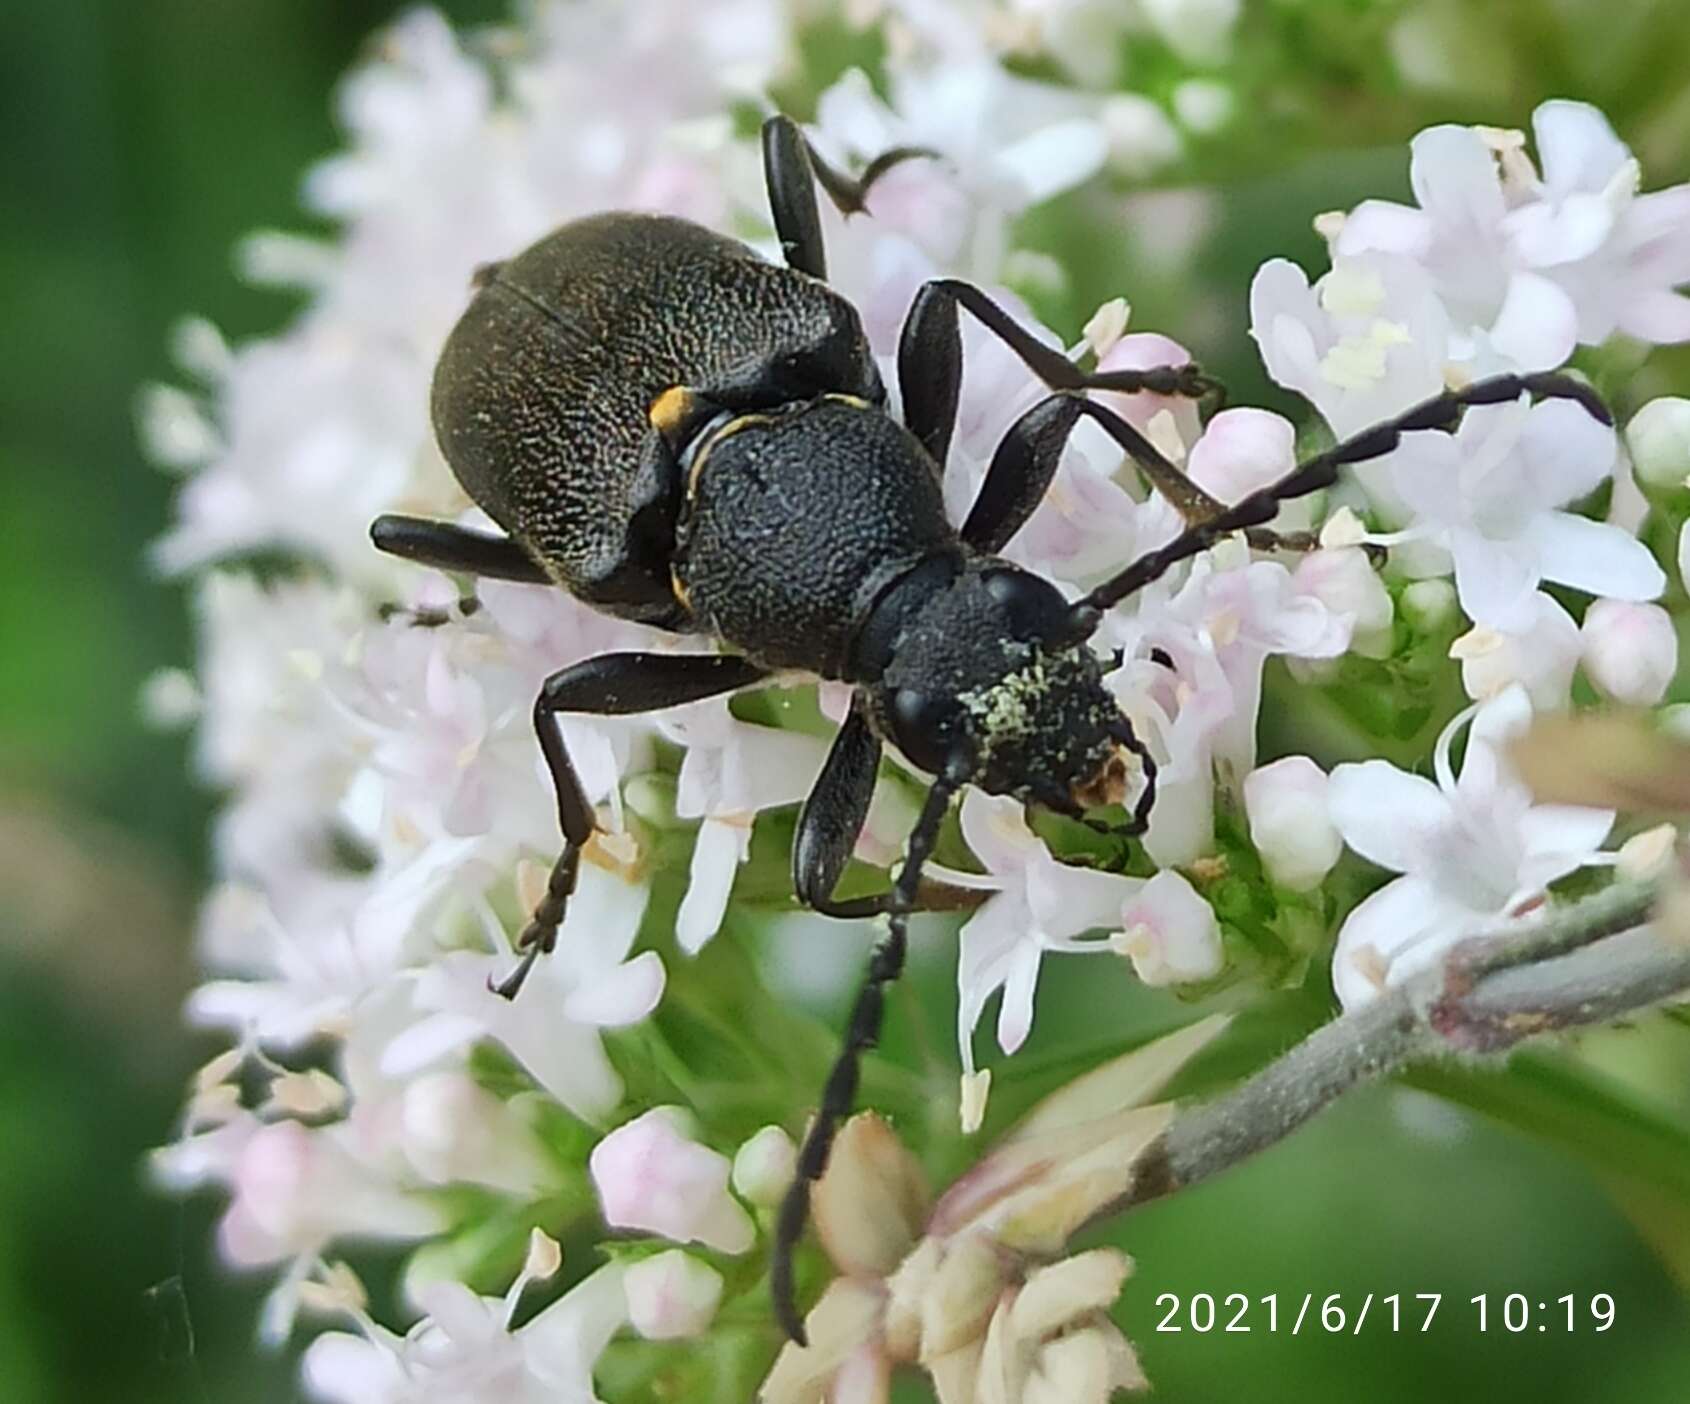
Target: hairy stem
[(1589, 963)]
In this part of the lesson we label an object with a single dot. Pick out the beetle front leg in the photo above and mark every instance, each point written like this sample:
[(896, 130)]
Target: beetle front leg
[(1321, 471), (455, 548), (862, 1032), (613, 684), (833, 817), (1049, 364)]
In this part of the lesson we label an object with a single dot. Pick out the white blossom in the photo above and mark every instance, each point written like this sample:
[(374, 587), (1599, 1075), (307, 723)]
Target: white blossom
[(586, 984), (1541, 656), (1473, 851), (1490, 495), (466, 1350), (1039, 905)]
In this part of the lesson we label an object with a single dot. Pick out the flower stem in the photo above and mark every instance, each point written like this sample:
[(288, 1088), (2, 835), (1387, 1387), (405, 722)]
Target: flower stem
[(1589, 963)]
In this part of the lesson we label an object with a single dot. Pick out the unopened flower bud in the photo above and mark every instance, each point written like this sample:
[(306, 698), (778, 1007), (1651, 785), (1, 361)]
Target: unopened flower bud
[(1345, 582), (1141, 138), (1204, 105), (672, 1296), (1241, 451), (650, 1175), (1290, 823), (1630, 650), (870, 1205), (1170, 933), (764, 1167), (1429, 605), (1659, 440)]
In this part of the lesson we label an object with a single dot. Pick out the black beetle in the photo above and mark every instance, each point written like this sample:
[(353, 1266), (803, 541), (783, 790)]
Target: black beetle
[(681, 433)]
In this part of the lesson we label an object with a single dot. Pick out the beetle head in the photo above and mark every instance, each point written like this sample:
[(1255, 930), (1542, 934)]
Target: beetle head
[(990, 671)]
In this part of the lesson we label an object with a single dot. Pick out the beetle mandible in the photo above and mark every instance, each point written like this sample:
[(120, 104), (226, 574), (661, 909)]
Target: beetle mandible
[(681, 433)]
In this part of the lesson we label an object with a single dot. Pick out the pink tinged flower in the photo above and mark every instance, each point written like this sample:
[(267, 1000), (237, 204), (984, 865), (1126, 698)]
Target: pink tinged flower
[(465, 1350), (1242, 450), (1541, 657), (1286, 803), (651, 1175), (672, 1296), (1489, 494), (1658, 439), (1619, 255), (585, 984), (1039, 905), (296, 1189), (1473, 852), (1169, 932), (1630, 651), (1242, 612)]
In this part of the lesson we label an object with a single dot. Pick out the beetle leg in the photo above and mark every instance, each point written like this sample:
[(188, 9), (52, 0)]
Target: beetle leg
[(448, 547), (1321, 471), (1050, 364), (1027, 458), (792, 170), (861, 1033), (833, 816), (613, 684), (790, 177)]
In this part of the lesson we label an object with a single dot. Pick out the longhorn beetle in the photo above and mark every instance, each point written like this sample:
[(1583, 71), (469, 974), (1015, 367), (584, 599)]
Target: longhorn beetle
[(681, 433)]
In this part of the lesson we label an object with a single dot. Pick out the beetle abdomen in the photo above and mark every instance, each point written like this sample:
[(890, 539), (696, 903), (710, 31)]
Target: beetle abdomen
[(542, 393), (796, 520)]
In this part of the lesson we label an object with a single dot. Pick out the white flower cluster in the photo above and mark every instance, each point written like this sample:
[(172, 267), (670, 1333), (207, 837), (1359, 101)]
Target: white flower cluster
[(389, 814)]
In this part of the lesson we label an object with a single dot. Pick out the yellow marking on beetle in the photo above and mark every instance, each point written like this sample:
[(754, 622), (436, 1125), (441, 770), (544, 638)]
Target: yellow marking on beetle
[(669, 411), (727, 431), (678, 588)]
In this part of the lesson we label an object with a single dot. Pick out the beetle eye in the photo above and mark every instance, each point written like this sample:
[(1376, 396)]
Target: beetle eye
[(1035, 608), (925, 727)]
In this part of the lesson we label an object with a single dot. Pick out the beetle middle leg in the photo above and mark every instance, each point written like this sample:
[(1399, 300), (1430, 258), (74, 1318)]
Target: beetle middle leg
[(613, 684), (930, 362)]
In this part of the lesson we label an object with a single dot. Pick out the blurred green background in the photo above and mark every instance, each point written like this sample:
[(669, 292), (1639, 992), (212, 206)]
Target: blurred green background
[(141, 141)]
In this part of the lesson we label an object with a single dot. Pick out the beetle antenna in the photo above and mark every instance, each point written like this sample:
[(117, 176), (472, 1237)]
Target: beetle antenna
[(885, 964)]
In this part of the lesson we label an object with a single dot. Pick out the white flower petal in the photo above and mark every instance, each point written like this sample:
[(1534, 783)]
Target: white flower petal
[(623, 996), (1595, 557), (1537, 326), (1388, 816)]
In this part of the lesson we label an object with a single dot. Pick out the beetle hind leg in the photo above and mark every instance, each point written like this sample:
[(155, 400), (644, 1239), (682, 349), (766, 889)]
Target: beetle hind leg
[(792, 170)]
